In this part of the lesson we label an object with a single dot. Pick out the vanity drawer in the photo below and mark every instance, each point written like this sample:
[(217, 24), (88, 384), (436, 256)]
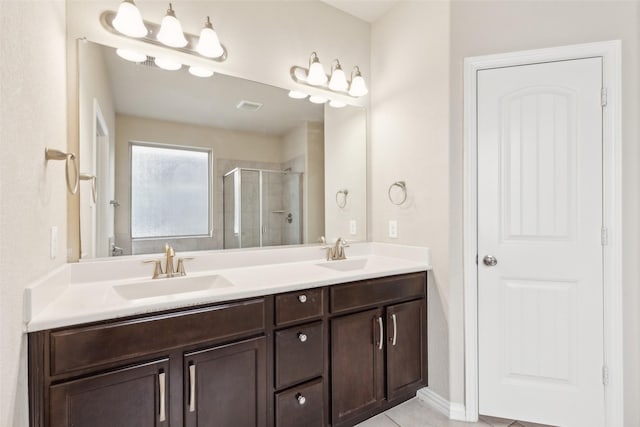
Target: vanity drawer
[(80, 349), (296, 306), (301, 406), (377, 291), (299, 354)]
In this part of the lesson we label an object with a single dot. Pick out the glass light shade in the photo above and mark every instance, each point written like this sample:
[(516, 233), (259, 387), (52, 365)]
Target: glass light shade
[(316, 75), (337, 104), (200, 71), (167, 63), (317, 99), (358, 86), (170, 32), (131, 55), (297, 94), (209, 44), (128, 20), (338, 80)]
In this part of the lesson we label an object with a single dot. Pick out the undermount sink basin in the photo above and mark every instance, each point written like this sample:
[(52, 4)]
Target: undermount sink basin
[(171, 286), (345, 264)]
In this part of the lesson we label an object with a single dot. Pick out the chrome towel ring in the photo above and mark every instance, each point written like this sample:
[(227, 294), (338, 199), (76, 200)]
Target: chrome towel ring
[(398, 196), (341, 201), (53, 154), (94, 190)]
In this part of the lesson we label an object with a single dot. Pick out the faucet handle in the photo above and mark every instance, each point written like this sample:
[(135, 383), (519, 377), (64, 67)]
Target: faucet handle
[(157, 268), (344, 243), (180, 268)]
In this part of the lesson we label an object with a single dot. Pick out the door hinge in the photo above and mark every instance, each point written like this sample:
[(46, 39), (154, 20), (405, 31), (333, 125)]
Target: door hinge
[(604, 236), (605, 375), (603, 96)]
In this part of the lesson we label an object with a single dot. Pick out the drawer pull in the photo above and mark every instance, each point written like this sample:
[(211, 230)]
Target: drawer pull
[(192, 388), (162, 386), (381, 332), (302, 298), (395, 330), (301, 399), (302, 337)]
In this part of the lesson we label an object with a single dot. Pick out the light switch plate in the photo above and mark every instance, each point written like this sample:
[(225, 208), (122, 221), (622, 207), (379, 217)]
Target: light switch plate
[(393, 228), (353, 227)]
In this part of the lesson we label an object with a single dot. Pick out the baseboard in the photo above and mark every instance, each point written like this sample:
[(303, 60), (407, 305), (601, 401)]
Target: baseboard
[(453, 411)]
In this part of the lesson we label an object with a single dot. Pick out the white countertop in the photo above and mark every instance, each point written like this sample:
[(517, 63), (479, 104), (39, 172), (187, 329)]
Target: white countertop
[(86, 292)]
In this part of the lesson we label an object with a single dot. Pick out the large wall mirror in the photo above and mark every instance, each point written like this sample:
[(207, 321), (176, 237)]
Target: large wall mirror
[(210, 163)]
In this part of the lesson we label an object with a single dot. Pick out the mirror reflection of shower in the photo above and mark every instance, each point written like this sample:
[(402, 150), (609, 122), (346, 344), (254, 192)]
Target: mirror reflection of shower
[(262, 208)]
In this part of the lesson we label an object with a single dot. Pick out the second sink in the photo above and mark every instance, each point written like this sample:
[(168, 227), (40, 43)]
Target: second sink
[(173, 286)]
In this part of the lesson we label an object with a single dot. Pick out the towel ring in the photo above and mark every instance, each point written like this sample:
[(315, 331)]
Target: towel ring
[(94, 190), (342, 204), (403, 187), (52, 154)]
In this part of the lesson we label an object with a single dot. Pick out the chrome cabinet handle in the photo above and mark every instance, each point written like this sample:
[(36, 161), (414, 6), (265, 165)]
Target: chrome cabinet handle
[(490, 260), (395, 330), (162, 386), (192, 388), (381, 332), (301, 399), (302, 337), (302, 298)]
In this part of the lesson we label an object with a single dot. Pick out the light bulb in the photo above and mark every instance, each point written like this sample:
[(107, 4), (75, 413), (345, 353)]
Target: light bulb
[(128, 20), (131, 55), (167, 63), (297, 94), (200, 71), (317, 99), (338, 81), (170, 32), (337, 104), (358, 86), (209, 44), (316, 75)]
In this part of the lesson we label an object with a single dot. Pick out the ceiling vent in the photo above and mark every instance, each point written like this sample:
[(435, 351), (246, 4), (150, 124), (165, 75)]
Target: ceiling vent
[(248, 105)]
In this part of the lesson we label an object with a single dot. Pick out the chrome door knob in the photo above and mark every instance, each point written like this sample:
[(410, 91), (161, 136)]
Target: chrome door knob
[(302, 298), (301, 399), (489, 260), (302, 337)]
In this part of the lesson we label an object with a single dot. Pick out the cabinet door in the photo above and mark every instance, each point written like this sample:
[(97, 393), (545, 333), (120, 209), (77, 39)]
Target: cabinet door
[(226, 386), (357, 364), (132, 397), (406, 347)]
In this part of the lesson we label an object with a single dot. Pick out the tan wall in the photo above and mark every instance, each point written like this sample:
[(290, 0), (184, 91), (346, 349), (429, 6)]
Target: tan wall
[(33, 194), (313, 189)]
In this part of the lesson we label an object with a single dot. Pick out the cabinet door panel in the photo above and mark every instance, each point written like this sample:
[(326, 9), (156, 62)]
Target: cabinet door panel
[(302, 405), (128, 397), (299, 354), (357, 364), (406, 347), (226, 386)]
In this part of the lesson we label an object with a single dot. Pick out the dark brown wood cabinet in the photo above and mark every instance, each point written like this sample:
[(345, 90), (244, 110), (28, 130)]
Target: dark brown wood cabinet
[(332, 355), (133, 396)]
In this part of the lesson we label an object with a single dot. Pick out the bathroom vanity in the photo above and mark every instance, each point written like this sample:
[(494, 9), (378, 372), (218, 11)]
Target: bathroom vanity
[(323, 355)]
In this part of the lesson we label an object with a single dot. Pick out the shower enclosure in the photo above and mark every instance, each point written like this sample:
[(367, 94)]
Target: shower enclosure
[(262, 208)]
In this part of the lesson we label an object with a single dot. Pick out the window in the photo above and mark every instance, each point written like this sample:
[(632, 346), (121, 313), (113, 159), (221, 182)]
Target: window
[(170, 191)]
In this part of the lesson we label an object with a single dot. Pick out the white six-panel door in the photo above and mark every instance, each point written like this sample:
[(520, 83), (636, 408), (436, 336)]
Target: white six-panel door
[(540, 307)]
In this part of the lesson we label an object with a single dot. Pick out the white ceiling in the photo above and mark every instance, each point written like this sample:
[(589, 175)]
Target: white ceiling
[(147, 91), (367, 10)]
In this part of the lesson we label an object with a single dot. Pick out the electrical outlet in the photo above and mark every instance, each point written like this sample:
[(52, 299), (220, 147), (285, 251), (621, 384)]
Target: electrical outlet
[(352, 227), (53, 250), (393, 228)]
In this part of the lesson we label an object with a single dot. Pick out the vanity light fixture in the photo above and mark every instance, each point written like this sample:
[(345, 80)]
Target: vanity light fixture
[(167, 63), (358, 87), (128, 20), (295, 94), (209, 44), (316, 75), (317, 99), (170, 32), (338, 81), (337, 104), (200, 71), (131, 55)]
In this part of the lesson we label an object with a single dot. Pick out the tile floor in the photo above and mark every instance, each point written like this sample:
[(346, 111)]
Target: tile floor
[(416, 413)]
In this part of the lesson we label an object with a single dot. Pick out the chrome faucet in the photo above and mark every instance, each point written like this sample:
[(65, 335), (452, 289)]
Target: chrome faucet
[(169, 270), (336, 252)]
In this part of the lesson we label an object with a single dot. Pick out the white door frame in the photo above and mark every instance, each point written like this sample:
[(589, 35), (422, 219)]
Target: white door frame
[(610, 52)]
